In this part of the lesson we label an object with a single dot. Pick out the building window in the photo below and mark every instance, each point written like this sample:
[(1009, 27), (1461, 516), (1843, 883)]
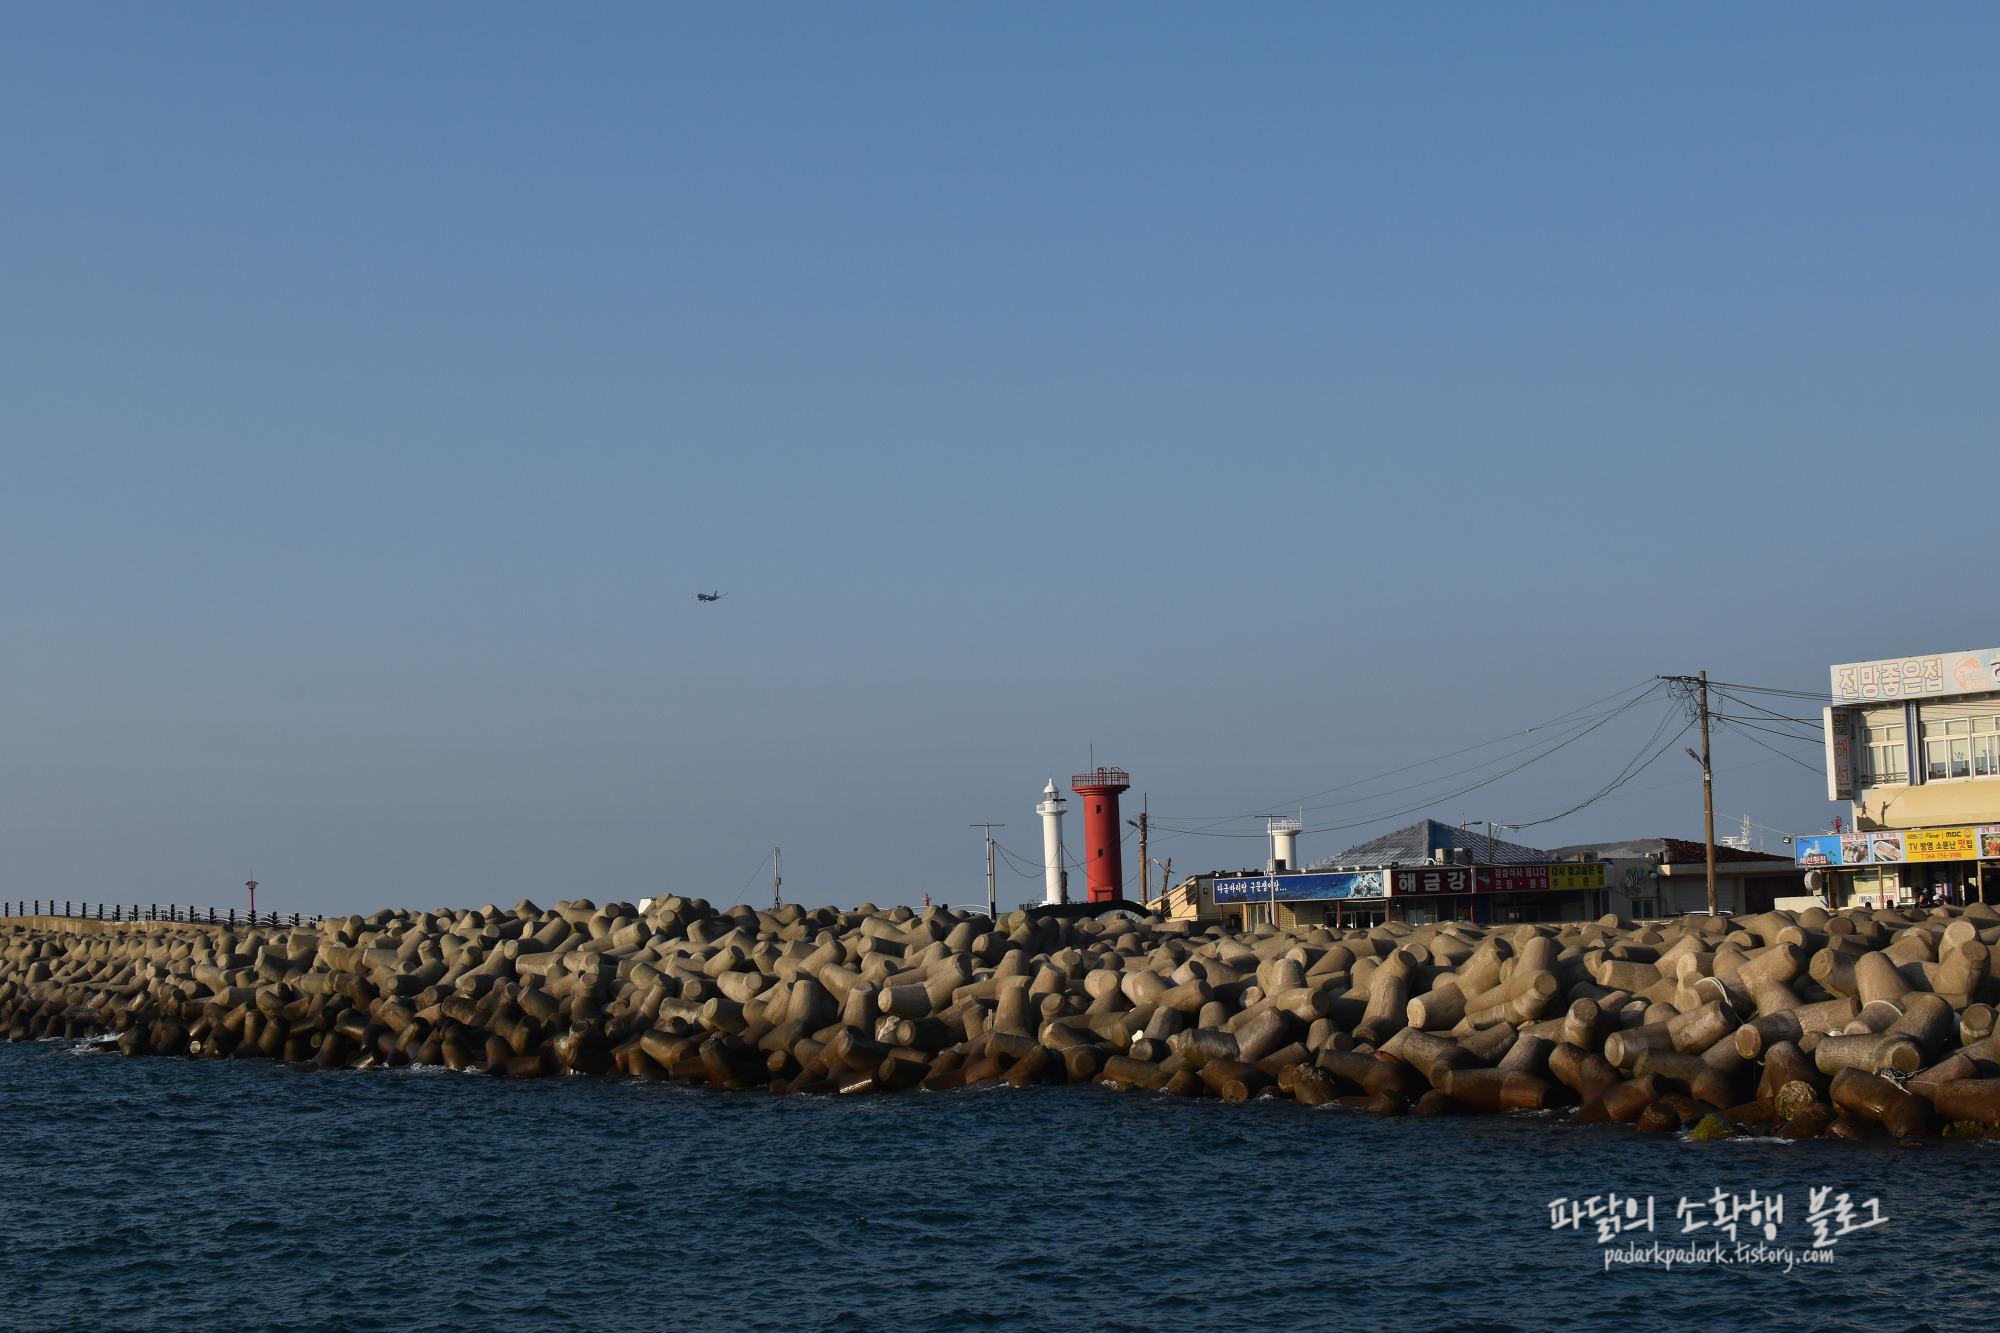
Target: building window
[(1885, 755), (1961, 747)]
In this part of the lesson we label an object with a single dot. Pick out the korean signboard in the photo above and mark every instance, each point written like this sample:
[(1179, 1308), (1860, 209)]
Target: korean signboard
[(1940, 844), (1576, 875), (1561, 877), (1925, 844), (1837, 726), (1435, 879), (1303, 888), (1513, 879), (1972, 672)]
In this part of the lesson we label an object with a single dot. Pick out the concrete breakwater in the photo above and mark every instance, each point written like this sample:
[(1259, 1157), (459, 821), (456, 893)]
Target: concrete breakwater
[(1800, 1024)]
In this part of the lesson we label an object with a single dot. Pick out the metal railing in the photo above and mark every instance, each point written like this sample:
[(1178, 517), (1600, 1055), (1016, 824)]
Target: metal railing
[(1101, 777), (171, 912)]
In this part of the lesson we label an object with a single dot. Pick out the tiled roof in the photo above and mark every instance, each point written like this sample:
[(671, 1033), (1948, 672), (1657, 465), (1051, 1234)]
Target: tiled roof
[(1672, 851), (1413, 846)]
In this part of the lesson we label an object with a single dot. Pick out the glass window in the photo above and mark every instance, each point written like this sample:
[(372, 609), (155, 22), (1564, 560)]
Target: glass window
[(1885, 755), (1962, 746), (1885, 763)]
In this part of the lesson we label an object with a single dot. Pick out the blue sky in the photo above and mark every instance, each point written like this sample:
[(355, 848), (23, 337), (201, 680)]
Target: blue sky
[(1269, 398)]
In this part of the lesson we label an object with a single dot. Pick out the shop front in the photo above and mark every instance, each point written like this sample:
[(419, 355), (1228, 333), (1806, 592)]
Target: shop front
[(1338, 899), (1905, 868), (1563, 891), (1566, 891)]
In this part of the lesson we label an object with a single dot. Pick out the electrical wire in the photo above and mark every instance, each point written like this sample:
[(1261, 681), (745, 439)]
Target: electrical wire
[(1737, 728), (753, 874), (1391, 791), (1646, 688), (1734, 720), (1432, 802), (1767, 712), (1634, 766), (1015, 863)]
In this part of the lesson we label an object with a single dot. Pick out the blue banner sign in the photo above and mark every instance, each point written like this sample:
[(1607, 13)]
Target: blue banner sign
[(1820, 849), (1303, 888)]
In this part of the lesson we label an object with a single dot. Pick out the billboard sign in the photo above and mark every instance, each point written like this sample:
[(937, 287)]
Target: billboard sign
[(1513, 879), (1303, 888), (1989, 840), (1837, 726), (1435, 879), (1567, 875), (1974, 671), (1819, 849), (1941, 844)]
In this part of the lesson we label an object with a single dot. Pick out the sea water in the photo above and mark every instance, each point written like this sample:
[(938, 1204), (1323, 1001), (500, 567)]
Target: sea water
[(165, 1194)]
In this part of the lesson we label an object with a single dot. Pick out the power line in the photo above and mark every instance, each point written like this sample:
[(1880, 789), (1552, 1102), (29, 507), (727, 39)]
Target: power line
[(1394, 791), (1759, 708), (1817, 696), (753, 874), (1737, 727), (1414, 786), (1432, 802), (1634, 766), (1815, 741), (1015, 863), (1646, 688)]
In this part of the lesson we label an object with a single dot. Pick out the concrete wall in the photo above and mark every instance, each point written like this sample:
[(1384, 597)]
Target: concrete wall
[(1961, 801), (87, 926)]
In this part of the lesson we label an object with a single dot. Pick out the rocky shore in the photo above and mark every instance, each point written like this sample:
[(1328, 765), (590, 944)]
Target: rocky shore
[(1805, 1025)]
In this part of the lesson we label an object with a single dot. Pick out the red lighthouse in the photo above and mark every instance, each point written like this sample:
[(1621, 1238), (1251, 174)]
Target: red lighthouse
[(1102, 841)]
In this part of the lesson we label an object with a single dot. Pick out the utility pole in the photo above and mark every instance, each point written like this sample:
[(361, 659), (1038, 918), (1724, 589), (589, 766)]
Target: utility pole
[(1700, 693), (1489, 842), (1145, 866), (777, 880), (992, 889), (1707, 790)]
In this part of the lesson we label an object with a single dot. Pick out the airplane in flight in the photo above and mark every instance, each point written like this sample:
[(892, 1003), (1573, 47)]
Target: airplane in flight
[(708, 596)]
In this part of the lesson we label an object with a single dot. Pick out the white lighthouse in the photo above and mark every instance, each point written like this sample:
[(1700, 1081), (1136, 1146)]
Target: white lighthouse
[(1284, 834), (1051, 810)]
